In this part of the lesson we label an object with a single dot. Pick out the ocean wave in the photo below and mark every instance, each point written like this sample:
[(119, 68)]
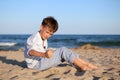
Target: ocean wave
[(7, 43)]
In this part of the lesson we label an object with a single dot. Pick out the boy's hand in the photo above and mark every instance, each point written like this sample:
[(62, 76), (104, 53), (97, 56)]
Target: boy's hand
[(49, 53)]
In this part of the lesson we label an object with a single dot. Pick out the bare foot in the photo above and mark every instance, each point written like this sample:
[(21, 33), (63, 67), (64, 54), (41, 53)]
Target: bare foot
[(85, 68), (92, 66), (83, 65), (87, 64)]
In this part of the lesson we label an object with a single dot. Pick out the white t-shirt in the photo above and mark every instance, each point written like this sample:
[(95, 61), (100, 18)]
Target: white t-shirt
[(34, 42)]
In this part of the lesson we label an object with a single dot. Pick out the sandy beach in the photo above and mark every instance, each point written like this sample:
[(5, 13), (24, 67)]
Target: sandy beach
[(13, 67)]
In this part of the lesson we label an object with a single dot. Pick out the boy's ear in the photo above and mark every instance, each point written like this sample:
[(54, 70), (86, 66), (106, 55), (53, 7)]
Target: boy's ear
[(41, 27)]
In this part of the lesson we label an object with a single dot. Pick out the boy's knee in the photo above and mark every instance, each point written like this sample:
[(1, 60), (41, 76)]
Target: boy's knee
[(64, 48)]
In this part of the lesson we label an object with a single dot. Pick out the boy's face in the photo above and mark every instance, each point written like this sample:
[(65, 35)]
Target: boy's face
[(45, 32)]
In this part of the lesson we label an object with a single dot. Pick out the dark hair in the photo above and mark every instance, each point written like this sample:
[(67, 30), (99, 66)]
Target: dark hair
[(51, 22)]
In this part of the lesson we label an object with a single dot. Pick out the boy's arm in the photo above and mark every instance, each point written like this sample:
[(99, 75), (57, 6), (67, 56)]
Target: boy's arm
[(47, 54), (36, 53)]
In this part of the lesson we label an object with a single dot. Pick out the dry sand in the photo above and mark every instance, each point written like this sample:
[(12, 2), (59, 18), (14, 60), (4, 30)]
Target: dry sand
[(13, 67)]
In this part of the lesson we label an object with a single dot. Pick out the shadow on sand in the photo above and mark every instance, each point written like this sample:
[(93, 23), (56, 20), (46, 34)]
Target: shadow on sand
[(13, 62)]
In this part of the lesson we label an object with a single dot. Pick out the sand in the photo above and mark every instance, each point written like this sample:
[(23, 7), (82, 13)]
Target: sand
[(13, 67)]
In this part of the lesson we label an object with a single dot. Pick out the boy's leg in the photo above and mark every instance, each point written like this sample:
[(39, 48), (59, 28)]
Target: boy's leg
[(71, 57), (58, 55)]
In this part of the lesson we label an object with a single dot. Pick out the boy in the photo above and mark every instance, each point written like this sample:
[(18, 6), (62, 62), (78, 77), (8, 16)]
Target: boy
[(37, 55)]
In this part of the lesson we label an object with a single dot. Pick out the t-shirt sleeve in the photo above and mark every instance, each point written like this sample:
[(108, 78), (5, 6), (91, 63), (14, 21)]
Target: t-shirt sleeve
[(32, 44)]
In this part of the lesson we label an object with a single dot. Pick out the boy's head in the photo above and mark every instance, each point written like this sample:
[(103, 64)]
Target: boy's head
[(48, 27), (51, 23)]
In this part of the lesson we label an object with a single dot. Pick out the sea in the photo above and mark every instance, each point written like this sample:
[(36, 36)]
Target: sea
[(17, 41)]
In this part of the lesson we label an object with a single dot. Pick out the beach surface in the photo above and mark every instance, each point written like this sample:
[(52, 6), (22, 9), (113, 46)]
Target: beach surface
[(13, 66)]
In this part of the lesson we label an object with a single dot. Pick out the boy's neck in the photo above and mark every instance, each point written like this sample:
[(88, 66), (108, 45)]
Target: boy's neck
[(40, 35)]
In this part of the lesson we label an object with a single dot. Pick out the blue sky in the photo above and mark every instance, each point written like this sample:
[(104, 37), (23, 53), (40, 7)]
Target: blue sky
[(73, 16)]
